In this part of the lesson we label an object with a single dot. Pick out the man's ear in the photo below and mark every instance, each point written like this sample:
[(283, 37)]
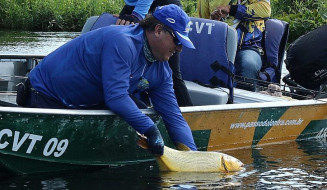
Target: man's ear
[(158, 29)]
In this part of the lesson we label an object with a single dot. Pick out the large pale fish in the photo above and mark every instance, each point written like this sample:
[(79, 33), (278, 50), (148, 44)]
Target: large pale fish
[(195, 161)]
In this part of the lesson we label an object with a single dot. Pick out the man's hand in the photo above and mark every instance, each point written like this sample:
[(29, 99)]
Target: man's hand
[(155, 141), (127, 19), (220, 12)]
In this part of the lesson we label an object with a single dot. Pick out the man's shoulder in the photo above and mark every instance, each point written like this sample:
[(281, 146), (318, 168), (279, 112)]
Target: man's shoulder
[(122, 32)]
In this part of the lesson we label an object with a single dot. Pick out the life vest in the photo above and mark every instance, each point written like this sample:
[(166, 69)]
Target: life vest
[(274, 43), (306, 59)]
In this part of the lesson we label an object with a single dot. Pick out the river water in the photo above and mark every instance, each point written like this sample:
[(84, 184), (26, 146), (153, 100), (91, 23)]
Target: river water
[(290, 165)]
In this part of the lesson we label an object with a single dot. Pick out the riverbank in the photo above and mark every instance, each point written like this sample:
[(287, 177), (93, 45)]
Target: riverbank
[(70, 15)]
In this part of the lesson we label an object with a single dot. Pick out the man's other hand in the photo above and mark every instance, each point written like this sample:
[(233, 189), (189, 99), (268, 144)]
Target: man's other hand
[(127, 19)]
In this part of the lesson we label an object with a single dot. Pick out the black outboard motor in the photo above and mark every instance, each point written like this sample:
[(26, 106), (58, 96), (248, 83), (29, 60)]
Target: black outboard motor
[(306, 59)]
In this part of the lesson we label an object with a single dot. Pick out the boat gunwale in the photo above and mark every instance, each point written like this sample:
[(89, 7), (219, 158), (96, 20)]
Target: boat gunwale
[(21, 56), (191, 109)]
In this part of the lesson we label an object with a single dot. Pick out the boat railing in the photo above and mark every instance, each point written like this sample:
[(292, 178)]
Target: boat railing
[(29, 60), (15, 68)]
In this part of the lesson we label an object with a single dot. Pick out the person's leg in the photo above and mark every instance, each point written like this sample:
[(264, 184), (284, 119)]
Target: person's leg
[(181, 92), (247, 64)]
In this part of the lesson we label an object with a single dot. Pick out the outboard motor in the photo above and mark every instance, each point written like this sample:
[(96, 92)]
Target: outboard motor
[(306, 59)]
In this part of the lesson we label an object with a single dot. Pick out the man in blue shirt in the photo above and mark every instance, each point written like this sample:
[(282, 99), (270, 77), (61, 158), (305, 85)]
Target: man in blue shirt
[(103, 67), (132, 13)]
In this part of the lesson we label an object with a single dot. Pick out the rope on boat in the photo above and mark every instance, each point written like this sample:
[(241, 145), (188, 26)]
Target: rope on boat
[(296, 92)]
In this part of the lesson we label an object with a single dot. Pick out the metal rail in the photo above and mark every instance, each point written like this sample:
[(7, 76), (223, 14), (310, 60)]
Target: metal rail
[(8, 56)]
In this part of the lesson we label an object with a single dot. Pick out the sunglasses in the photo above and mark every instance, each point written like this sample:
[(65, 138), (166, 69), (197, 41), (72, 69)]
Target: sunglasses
[(175, 39)]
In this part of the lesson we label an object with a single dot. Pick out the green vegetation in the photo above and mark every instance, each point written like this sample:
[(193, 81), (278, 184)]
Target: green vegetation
[(52, 15), (302, 15), (70, 15)]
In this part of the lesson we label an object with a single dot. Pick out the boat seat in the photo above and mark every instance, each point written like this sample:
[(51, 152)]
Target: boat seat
[(201, 95), (89, 24), (212, 62)]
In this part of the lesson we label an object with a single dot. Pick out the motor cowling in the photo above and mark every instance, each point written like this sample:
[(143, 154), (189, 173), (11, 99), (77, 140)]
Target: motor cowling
[(306, 59)]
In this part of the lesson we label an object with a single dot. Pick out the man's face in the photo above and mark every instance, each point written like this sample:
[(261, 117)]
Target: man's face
[(165, 45)]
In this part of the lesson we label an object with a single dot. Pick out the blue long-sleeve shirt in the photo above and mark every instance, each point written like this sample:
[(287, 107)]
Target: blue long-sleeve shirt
[(105, 66), (141, 6)]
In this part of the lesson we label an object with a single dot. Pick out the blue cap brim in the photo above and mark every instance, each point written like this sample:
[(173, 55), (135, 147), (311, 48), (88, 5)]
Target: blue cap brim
[(184, 40)]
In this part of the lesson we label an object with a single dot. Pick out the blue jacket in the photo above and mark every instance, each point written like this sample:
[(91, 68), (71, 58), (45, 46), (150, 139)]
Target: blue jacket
[(105, 66)]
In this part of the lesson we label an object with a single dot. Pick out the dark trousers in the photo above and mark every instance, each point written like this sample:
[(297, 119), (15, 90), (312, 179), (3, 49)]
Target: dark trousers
[(27, 96), (38, 100), (35, 99)]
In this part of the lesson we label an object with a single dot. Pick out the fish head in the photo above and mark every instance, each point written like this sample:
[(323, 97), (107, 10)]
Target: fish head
[(232, 164)]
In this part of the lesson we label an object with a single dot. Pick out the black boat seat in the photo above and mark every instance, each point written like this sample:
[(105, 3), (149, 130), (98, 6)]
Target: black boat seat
[(201, 95)]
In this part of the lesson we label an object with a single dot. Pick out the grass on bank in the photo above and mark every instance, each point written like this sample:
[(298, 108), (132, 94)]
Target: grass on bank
[(52, 15)]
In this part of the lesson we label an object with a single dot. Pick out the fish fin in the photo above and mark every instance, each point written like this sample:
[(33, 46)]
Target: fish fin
[(182, 147), (142, 141)]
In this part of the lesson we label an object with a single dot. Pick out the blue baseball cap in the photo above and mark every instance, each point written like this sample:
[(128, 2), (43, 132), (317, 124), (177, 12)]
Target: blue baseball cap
[(175, 18)]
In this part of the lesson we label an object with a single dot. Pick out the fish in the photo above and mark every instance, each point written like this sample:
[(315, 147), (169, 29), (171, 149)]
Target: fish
[(185, 160)]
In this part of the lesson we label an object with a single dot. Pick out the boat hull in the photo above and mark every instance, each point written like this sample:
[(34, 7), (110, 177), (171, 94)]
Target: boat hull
[(43, 140), (246, 125)]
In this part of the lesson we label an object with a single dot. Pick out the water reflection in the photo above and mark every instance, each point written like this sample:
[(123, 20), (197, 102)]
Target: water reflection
[(33, 43), (292, 165), (178, 180), (290, 178)]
